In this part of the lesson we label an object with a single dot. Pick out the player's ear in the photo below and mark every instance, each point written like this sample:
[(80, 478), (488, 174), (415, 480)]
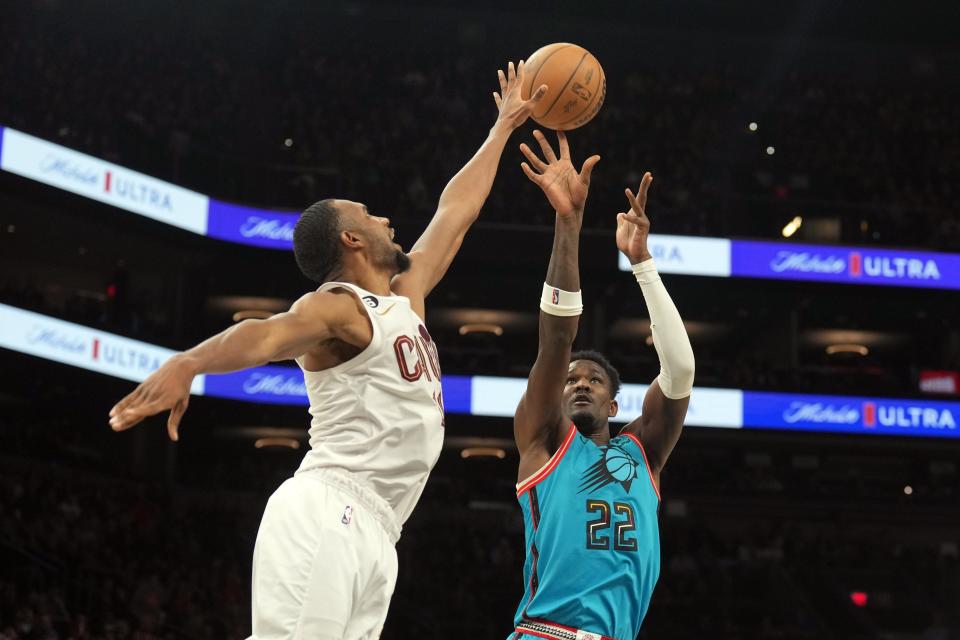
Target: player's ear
[(614, 408), (351, 239)]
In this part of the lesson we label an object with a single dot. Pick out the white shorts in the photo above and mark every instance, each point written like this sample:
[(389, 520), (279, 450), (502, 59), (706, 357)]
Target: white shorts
[(325, 562)]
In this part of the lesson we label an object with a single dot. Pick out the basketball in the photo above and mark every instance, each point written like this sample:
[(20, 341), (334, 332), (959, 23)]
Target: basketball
[(576, 85)]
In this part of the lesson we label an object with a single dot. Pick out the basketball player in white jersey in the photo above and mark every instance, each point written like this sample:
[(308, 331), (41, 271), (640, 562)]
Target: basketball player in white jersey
[(325, 565)]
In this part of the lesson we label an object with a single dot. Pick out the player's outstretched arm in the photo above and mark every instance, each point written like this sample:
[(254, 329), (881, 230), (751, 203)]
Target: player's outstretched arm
[(540, 412), (466, 192), (667, 399), (313, 318)]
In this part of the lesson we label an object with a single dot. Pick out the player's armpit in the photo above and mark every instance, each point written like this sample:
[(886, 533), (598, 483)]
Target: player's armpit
[(429, 260), (660, 425)]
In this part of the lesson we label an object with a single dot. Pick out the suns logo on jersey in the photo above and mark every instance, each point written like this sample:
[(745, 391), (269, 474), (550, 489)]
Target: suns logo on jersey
[(615, 465)]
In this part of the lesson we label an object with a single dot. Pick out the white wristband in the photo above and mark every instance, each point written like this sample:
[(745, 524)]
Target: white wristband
[(645, 272), (558, 302)]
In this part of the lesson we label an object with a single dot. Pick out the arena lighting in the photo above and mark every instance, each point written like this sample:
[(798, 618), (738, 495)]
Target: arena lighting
[(255, 433), (752, 126), (231, 304), (483, 452), (288, 143), (481, 327), (252, 314), (771, 150), (908, 490), (858, 598), (289, 443), (791, 227), (858, 349)]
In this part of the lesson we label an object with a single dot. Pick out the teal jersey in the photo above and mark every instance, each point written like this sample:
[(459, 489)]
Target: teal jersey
[(592, 537)]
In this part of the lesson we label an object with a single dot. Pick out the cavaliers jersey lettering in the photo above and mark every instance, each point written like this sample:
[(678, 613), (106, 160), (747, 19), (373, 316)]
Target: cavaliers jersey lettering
[(379, 415), (592, 537)]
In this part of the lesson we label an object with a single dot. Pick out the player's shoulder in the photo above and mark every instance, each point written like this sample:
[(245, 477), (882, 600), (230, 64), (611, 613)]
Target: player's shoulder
[(331, 304), (627, 438)]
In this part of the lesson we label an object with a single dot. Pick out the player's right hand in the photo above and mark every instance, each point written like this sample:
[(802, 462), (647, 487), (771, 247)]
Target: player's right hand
[(166, 389), (512, 109), (565, 188)]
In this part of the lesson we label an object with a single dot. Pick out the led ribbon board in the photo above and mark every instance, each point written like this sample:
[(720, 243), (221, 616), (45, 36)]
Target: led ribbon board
[(90, 177), (79, 346), (811, 263)]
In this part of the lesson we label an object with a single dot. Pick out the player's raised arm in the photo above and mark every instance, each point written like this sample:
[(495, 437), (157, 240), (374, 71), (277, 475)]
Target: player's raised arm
[(667, 399), (314, 318), (540, 412), (466, 192)]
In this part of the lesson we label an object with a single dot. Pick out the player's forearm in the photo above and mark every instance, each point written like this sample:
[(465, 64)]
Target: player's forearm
[(669, 335), (464, 195), (242, 346), (563, 273)]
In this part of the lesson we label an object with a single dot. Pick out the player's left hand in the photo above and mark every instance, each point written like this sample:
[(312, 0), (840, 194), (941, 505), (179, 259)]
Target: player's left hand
[(633, 227), (166, 389), (565, 188), (514, 110)]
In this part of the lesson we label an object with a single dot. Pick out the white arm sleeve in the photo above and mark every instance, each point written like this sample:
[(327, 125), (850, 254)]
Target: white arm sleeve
[(669, 335)]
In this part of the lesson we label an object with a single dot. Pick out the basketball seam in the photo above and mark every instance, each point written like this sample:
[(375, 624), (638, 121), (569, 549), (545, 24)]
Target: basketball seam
[(533, 81), (555, 100), (602, 92)]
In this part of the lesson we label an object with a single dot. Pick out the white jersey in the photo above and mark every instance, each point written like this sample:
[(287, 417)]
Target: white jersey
[(379, 415)]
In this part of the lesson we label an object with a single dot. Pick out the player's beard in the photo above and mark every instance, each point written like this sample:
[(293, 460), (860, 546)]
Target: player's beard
[(393, 259), (585, 421), (402, 261)]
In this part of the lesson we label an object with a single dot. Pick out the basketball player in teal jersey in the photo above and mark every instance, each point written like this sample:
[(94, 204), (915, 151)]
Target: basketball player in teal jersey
[(590, 501)]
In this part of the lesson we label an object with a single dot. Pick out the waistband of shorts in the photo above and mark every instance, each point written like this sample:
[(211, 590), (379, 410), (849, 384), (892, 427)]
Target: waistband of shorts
[(554, 631), (366, 496)]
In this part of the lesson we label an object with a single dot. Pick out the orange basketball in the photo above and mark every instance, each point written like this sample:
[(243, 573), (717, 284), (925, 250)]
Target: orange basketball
[(576, 85)]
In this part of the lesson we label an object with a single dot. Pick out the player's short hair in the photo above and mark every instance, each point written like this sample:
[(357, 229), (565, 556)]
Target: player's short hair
[(316, 240), (595, 356)]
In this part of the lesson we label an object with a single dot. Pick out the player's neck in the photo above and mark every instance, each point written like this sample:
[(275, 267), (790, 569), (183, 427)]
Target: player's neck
[(601, 439), (373, 281), (600, 436)]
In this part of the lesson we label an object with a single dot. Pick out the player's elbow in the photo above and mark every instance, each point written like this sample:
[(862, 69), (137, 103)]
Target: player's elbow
[(454, 209), (679, 360), (685, 370), (676, 383)]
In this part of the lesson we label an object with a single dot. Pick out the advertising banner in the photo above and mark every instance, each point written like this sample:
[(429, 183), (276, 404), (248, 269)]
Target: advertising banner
[(784, 261), (844, 414), (97, 179), (687, 255), (85, 175), (246, 225), (79, 346)]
